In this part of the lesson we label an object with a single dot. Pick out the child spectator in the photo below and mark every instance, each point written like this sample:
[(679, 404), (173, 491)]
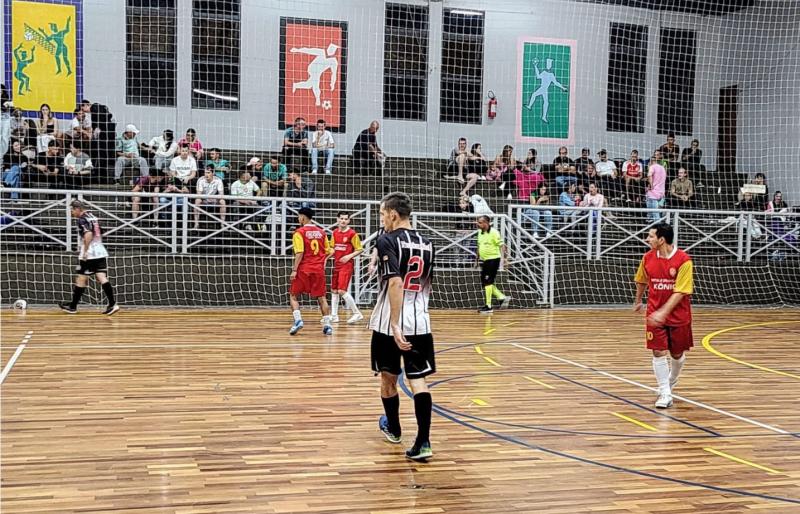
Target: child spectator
[(194, 144)]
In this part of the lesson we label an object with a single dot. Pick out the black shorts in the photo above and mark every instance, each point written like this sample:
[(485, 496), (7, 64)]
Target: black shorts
[(92, 266), (418, 362), (489, 271)]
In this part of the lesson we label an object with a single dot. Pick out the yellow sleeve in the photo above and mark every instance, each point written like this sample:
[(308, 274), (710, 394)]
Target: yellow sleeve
[(685, 281), (329, 246), (641, 274), (297, 243), (498, 239), (356, 242)]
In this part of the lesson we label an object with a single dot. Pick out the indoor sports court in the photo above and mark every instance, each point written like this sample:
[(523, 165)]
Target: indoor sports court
[(223, 221)]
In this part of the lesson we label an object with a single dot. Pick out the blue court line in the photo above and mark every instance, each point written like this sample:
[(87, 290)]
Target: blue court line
[(631, 402), (605, 465)]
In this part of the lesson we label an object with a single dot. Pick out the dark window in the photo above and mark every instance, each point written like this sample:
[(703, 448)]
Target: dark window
[(405, 62), (627, 70), (462, 67), (150, 63), (215, 54), (676, 75)]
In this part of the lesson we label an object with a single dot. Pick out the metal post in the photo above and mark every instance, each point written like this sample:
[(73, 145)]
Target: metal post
[(173, 224), (69, 222), (273, 208), (368, 221), (675, 225), (599, 239), (414, 220), (589, 229), (740, 238), (283, 227), (748, 238), (184, 224)]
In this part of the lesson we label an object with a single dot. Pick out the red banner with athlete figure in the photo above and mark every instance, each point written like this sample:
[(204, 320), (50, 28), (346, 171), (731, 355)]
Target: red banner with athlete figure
[(313, 81)]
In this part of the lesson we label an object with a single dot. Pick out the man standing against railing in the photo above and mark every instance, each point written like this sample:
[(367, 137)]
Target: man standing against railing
[(667, 274), (92, 257), (492, 252)]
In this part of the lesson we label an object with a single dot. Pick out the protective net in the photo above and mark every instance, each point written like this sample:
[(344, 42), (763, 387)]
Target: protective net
[(332, 105)]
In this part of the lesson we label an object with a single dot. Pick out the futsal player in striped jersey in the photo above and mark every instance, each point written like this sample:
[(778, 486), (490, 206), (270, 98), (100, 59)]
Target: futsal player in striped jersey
[(400, 323), (667, 274)]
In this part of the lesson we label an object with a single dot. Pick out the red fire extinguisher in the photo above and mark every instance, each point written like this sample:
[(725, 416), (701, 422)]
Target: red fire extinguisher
[(492, 107)]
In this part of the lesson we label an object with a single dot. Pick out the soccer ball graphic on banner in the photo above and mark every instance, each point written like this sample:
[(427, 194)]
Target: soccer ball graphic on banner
[(20, 305)]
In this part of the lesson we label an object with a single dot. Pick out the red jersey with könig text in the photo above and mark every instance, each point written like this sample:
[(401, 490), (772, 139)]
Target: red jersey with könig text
[(312, 241), (345, 243), (664, 276)]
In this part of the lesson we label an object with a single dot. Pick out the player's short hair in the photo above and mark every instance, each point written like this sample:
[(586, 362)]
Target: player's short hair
[(664, 230), (343, 213), (321, 121), (77, 204), (485, 218), (307, 212), (398, 202)]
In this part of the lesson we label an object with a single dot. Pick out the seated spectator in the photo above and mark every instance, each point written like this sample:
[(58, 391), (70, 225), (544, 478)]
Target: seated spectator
[(565, 170), (748, 204), (301, 189), (295, 144), (195, 146), (274, 179), (22, 130), (80, 127), (50, 166), (526, 181), (162, 149), (656, 187), (759, 198), (458, 160), (367, 155), (46, 128), (589, 176), (221, 166), (322, 141), (583, 161), (183, 169), (211, 187), (609, 178), (506, 163), (681, 191), (633, 175), (538, 198), (779, 224), (671, 151), (476, 161), (777, 204), (147, 184), (532, 162), (495, 173), (594, 200), (691, 157), (175, 186), (15, 165), (78, 166), (244, 188), (255, 166), (569, 198), (127, 149)]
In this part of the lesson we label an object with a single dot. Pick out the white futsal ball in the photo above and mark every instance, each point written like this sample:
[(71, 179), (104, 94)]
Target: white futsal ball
[(20, 305)]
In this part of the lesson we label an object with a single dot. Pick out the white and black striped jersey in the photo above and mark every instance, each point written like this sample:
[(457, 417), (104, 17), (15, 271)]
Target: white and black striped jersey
[(87, 222), (406, 254)]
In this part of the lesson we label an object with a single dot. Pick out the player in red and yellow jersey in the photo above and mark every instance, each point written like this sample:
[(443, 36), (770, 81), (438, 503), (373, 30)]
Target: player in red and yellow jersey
[(311, 250), (667, 273), (346, 246)]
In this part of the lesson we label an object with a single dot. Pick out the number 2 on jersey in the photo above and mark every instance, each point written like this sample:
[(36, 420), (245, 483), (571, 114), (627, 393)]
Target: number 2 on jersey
[(416, 267)]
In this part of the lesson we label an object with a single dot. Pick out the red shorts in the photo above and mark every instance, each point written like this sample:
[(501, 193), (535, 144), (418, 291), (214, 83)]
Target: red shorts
[(674, 339), (341, 278), (311, 283)]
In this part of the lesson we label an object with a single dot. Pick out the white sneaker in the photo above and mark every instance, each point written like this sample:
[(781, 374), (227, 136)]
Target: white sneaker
[(327, 172), (536, 235), (313, 172), (505, 301), (334, 319), (355, 318), (664, 401), (672, 384)]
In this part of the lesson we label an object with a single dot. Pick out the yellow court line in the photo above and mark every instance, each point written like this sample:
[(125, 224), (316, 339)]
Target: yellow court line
[(478, 350), (510, 324), (487, 332), (479, 402), (492, 361), (707, 345), (742, 461), (635, 421), (543, 384)]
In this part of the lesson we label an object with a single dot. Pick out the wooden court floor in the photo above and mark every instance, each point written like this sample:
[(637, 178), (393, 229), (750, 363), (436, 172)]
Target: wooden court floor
[(546, 411)]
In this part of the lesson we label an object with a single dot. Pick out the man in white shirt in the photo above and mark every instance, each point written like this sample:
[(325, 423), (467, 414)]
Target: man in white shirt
[(183, 168), (81, 126), (162, 148), (244, 188), (607, 171), (210, 186), (321, 141)]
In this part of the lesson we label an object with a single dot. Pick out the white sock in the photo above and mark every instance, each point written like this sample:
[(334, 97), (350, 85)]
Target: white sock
[(661, 370), (350, 302), (326, 320), (297, 316), (335, 304), (677, 366)]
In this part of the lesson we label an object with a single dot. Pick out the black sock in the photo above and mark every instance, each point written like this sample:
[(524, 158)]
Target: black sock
[(391, 406), (109, 291), (77, 292), (423, 405)]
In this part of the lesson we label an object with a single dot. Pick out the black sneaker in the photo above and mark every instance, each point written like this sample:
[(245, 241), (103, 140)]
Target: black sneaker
[(383, 425), (420, 451), (485, 310), (67, 308), (111, 309)]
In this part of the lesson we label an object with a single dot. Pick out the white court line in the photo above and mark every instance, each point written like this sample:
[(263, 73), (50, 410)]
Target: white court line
[(13, 359), (637, 384)]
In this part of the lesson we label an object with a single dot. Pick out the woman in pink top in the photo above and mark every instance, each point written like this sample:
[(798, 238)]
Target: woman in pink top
[(194, 144), (526, 180)]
